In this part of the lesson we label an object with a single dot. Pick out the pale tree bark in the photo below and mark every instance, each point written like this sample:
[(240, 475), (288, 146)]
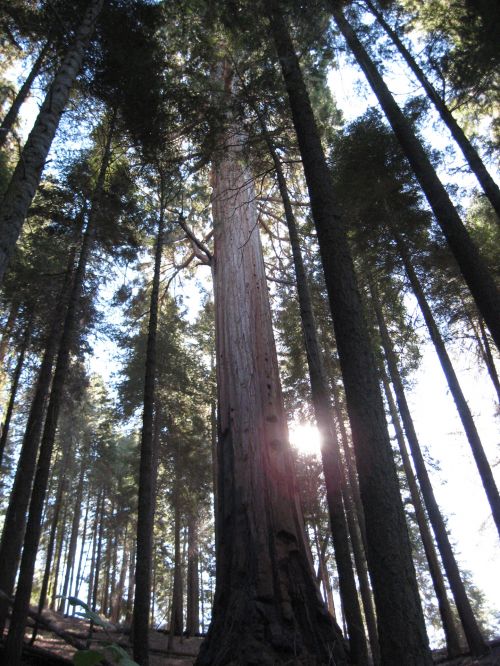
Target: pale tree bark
[(323, 411), (401, 627), (471, 155), (26, 176), (193, 580), (471, 263), (267, 606)]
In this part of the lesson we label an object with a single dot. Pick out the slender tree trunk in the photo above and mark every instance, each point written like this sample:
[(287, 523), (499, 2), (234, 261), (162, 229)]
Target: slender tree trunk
[(401, 626), (13, 112), (77, 509), (117, 600), (23, 593), (263, 561), (147, 479), (330, 451), (13, 390), (177, 614), (472, 266), (447, 619), (15, 518), (98, 555), (131, 584), (28, 171), (471, 629), (488, 358), (50, 547), (59, 552), (193, 581), (95, 530), (471, 155), (7, 331), (80, 569), (464, 412)]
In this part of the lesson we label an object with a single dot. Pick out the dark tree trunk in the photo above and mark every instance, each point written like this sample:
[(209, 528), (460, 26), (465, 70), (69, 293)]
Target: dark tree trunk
[(23, 593), (131, 584), (464, 412), (25, 179), (472, 266), (13, 391), (79, 571), (471, 155), (488, 358), (471, 629), (75, 525), (330, 451), (401, 626), (7, 331), (267, 606), (147, 477), (117, 600), (95, 530), (193, 581), (15, 518), (51, 546), (176, 614), (61, 537), (447, 619), (13, 112)]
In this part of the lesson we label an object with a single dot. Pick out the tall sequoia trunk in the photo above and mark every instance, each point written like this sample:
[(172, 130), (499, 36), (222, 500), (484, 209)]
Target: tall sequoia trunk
[(13, 390), (147, 477), (13, 112), (15, 518), (330, 451), (401, 626), (267, 606), (33, 528), (464, 412), (471, 155), (471, 629), (447, 619), (193, 580), (26, 176), (472, 265)]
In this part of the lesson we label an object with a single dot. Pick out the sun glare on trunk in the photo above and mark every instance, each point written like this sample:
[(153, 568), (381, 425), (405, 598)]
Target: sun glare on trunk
[(304, 437)]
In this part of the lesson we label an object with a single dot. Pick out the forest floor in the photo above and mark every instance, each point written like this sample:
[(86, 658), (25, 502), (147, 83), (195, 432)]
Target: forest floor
[(50, 649)]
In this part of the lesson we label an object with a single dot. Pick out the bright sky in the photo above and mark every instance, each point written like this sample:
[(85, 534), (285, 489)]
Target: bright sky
[(457, 484)]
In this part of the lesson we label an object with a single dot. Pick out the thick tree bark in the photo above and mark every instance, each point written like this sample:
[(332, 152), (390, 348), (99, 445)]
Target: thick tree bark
[(464, 412), (267, 606), (13, 390), (28, 171), (330, 451), (193, 581), (33, 528), (470, 262), (471, 629), (402, 634), (447, 619), (147, 477), (13, 112), (471, 155)]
